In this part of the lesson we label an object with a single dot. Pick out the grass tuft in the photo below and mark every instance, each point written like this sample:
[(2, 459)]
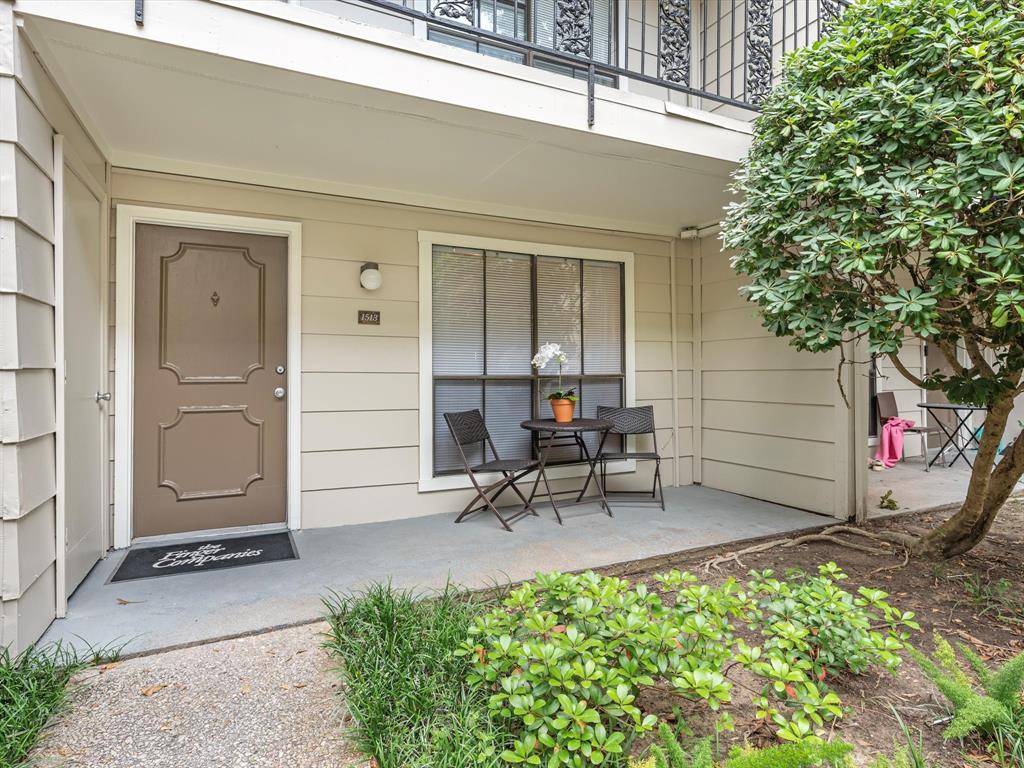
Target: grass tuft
[(33, 688), (404, 686)]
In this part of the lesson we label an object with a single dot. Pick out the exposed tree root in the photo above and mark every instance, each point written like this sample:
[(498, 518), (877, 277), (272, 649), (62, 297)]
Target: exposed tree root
[(887, 540)]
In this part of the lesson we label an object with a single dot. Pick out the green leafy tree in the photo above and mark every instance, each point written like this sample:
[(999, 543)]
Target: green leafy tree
[(882, 200)]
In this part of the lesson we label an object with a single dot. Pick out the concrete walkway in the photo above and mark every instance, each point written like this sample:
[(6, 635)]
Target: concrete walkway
[(424, 552), (264, 701)]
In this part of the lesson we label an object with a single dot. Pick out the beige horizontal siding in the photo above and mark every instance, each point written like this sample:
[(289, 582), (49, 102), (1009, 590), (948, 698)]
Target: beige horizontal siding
[(810, 387), (27, 475), (26, 262), (27, 404), (350, 469), (797, 491), (767, 411), (340, 279), (323, 315), (350, 430), (359, 354), (26, 333), (794, 420), (359, 391), (790, 455), (28, 545)]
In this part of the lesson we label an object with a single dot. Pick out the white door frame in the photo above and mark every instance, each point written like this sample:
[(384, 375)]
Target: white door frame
[(124, 379), (64, 156)]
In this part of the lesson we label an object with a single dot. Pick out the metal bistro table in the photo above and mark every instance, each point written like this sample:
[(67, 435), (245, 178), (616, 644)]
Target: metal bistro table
[(549, 434), (962, 414)]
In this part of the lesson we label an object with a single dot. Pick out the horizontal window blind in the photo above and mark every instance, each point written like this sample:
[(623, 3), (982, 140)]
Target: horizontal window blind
[(491, 312)]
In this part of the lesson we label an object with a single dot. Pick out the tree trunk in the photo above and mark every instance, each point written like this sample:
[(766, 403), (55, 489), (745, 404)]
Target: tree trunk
[(987, 491)]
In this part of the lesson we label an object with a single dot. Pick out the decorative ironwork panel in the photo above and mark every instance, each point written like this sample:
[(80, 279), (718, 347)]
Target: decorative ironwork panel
[(675, 40), (759, 50), (830, 13), (572, 22), (453, 9)]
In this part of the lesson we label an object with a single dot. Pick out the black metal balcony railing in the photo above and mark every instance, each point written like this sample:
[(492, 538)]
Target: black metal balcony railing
[(725, 51)]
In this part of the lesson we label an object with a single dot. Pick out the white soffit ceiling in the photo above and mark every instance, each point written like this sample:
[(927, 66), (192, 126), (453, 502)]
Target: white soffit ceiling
[(158, 106)]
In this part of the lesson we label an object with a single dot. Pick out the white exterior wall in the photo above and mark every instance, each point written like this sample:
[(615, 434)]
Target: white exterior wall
[(32, 109)]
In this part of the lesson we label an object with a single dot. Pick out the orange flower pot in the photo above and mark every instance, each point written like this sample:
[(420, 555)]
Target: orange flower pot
[(562, 409)]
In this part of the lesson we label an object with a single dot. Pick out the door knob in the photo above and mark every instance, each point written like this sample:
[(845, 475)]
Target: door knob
[(279, 393), (102, 396)]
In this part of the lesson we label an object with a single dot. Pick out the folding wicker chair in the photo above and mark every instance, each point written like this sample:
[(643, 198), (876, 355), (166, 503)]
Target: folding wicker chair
[(638, 420), (467, 428)]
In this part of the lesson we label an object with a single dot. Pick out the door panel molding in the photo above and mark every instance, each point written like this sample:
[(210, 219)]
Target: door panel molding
[(128, 216), (178, 258), (209, 493)]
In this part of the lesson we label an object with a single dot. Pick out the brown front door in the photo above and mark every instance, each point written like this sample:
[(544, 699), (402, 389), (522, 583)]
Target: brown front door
[(210, 348)]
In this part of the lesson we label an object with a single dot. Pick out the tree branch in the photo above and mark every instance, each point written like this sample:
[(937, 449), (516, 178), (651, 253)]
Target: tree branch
[(894, 358)]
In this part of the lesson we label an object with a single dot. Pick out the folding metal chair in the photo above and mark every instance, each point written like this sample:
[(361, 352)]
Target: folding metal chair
[(637, 420), (885, 404), (467, 428)]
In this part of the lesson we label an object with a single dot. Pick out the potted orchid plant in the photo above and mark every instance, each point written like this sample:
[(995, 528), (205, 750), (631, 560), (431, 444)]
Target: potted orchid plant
[(563, 401)]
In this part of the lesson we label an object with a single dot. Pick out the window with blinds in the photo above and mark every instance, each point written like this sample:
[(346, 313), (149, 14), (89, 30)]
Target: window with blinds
[(491, 311)]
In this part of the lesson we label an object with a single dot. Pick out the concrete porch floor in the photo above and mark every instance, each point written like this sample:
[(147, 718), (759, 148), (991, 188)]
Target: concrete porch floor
[(916, 490), (425, 552)]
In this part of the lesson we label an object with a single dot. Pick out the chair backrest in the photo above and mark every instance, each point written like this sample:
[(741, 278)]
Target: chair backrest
[(886, 404), (636, 420), (467, 427)]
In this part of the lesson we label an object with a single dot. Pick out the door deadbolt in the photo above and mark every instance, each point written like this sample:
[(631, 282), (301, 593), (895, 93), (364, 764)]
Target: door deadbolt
[(279, 393), (280, 369)]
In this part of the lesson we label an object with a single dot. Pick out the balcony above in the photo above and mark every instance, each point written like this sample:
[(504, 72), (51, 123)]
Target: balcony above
[(365, 104), (719, 55)]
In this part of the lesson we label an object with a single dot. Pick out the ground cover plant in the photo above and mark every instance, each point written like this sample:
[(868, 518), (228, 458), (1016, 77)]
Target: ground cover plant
[(33, 687), (405, 687), (995, 712), (881, 201)]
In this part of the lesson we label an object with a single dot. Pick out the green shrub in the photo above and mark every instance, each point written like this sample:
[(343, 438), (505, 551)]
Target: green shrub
[(998, 709), (564, 657), (814, 630)]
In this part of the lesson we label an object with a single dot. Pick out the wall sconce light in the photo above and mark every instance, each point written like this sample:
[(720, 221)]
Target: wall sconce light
[(370, 277)]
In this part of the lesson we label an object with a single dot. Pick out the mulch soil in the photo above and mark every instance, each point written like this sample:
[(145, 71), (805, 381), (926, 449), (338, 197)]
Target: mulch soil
[(977, 599)]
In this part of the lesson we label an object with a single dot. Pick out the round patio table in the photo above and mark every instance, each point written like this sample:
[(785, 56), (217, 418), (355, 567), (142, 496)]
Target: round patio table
[(550, 433), (962, 414)]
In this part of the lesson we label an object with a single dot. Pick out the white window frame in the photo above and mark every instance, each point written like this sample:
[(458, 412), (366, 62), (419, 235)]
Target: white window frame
[(427, 241), (124, 369)]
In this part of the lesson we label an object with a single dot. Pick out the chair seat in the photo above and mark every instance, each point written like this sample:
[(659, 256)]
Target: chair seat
[(506, 465), (929, 430), (630, 455)]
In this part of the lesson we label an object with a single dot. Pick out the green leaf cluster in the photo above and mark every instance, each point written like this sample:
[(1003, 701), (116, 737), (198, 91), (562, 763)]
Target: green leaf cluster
[(883, 193), (566, 656), (999, 704)]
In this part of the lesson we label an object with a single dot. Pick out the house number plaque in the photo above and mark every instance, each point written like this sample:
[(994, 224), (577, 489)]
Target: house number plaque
[(369, 317)]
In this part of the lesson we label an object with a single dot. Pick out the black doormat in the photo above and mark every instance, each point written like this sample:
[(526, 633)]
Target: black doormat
[(208, 555)]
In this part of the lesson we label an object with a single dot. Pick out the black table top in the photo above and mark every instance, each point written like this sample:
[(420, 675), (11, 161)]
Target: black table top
[(952, 406), (576, 425)]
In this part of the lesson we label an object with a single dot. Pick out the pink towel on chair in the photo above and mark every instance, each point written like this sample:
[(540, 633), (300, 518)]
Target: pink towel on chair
[(890, 446)]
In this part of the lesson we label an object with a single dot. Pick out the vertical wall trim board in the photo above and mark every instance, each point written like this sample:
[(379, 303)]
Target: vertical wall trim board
[(697, 253), (673, 290), (60, 527)]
